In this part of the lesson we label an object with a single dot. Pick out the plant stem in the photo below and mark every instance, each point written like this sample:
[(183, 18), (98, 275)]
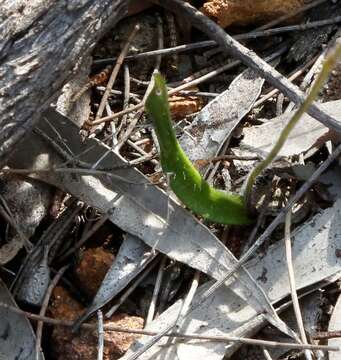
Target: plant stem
[(328, 65)]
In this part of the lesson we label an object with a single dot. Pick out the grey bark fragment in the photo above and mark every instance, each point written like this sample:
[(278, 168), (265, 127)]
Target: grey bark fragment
[(42, 42)]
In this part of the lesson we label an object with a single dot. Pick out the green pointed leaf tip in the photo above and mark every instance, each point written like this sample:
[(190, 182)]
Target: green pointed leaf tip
[(186, 182)]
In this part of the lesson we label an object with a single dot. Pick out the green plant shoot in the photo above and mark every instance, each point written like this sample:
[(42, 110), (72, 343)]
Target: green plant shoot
[(186, 182)]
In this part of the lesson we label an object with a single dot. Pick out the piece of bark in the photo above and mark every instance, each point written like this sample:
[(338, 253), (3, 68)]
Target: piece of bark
[(42, 42)]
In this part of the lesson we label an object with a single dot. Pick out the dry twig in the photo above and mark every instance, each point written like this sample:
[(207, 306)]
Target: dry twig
[(115, 71), (292, 282), (188, 336), (44, 306)]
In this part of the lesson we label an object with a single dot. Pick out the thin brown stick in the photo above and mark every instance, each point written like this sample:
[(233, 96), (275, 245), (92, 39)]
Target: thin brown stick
[(125, 101), (189, 298), (292, 77), (324, 335), (97, 79), (156, 291), (137, 117), (290, 28), (190, 336), (292, 282), (44, 306), (115, 71)]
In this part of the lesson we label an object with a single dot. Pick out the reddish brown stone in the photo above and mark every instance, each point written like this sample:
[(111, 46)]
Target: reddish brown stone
[(63, 306), (120, 342), (246, 12), (93, 266), (83, 345)]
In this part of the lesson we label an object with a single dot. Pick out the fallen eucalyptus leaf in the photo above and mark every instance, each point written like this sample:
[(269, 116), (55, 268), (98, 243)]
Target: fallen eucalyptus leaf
[(17, 339), (260, 139), (28, 200), (216, 121)]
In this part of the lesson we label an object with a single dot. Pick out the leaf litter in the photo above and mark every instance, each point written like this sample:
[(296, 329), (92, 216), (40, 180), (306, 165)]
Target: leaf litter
[(145, 212)]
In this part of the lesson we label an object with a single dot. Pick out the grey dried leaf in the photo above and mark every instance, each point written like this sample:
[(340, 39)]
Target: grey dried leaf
[(260, 139), (216, 121), (34, 283), (17, 340), (28, 200)]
